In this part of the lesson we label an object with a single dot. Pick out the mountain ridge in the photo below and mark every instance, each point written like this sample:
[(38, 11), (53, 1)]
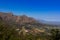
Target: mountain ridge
[(23, 20)]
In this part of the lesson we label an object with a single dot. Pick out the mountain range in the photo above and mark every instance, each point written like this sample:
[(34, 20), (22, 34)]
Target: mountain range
[(25, 20), (50, 22)]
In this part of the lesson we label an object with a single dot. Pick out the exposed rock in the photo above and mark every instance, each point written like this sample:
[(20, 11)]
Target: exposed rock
[(9, 17)]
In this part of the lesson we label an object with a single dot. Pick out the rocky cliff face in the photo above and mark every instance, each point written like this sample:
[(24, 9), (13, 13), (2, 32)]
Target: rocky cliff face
[(9, 17)]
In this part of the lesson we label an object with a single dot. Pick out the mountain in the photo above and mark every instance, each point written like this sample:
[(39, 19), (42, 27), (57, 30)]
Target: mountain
[(50, 22), (26, 21), (19, 20)]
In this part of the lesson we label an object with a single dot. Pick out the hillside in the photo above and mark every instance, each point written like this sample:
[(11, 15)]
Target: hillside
[(19, 20), (23, 20)]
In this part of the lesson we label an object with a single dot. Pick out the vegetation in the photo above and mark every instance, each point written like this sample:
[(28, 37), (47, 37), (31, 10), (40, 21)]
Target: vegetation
[(8, 32)]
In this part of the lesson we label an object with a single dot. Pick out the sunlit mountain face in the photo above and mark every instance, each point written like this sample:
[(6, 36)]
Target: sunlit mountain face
[(10, 18)]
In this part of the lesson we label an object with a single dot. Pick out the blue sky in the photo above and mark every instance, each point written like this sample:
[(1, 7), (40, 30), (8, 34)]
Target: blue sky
[(48, 10)]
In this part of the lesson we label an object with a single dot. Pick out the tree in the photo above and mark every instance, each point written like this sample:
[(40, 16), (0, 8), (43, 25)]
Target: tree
[(7, 32), (55, 34)]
